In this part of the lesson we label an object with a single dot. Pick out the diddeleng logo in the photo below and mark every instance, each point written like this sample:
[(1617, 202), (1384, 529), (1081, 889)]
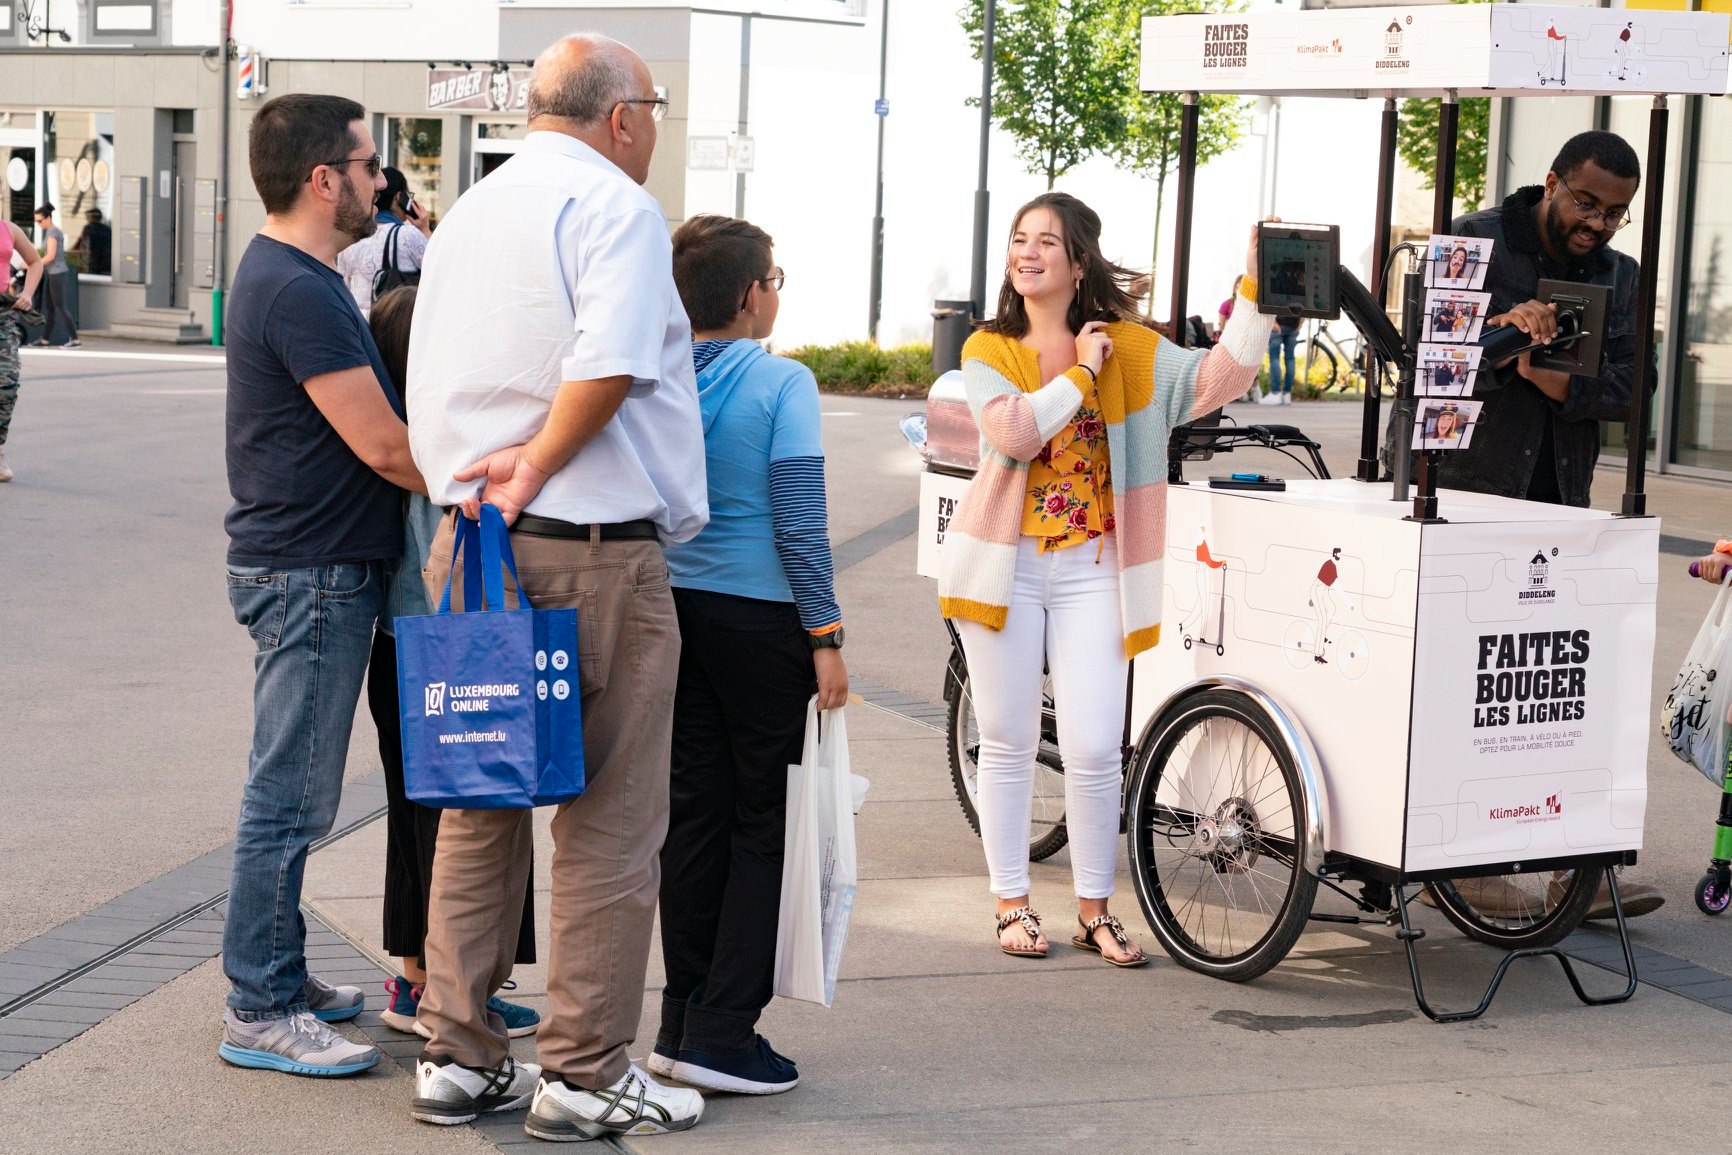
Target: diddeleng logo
[(435, 699), (1538, 586), (1392, 40)]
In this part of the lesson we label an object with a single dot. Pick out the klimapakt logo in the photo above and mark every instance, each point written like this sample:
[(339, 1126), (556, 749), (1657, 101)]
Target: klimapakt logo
[(1551, 810), (1333, 48)]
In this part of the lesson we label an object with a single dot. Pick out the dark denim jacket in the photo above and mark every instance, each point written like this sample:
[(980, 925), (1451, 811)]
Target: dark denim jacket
[(1507, 439)]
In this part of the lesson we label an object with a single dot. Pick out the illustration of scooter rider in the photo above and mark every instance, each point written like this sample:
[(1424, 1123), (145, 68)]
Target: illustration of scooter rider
[(1558, 56), (1323, 601), (1194, 622)]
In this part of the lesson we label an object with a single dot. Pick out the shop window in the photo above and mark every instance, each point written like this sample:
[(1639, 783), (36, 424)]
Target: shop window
[(417, 147), (78, 180), (1704, 370)]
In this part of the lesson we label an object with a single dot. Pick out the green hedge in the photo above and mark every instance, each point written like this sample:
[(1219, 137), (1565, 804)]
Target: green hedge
[(862, 367)]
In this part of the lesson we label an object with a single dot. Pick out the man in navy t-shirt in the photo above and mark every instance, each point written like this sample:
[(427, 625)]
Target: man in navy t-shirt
[(317, 458)]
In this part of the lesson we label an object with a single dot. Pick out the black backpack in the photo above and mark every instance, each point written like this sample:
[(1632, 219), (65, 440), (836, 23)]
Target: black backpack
[(390, 275)]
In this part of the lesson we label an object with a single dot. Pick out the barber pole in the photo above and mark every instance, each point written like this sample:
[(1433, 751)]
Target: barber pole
[(245, 89)]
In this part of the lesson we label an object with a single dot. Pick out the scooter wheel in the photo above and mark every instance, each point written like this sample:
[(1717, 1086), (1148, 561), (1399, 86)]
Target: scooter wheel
[(1220, 649), (1187, 641), (1712, 897)]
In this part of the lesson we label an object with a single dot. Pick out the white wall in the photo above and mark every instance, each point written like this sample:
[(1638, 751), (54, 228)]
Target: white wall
[(378, 30)]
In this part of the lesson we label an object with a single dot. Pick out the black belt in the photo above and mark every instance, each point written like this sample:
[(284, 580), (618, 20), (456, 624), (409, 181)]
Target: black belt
[(615, 531)]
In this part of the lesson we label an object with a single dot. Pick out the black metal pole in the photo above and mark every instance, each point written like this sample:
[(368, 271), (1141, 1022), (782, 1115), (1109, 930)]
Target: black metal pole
[(1182, 229), (1372, 418), (1413, 322), (877, 288), (977, 282), (1442, 212), (1636, 436)]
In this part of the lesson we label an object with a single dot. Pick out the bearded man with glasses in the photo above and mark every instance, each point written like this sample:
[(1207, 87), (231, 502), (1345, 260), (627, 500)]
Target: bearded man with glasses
[(1538, 436)]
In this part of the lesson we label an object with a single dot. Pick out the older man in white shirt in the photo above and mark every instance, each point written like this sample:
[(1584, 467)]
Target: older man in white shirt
[(550, 373)]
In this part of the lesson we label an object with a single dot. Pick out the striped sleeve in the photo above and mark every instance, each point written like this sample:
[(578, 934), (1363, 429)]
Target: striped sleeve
[(797, 512)]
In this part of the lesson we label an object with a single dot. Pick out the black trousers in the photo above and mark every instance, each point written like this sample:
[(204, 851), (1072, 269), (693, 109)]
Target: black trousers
[(411, 829), (739, 720)]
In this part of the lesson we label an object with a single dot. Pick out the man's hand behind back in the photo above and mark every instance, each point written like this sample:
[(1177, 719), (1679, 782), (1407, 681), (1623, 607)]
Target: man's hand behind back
[(512, 482)]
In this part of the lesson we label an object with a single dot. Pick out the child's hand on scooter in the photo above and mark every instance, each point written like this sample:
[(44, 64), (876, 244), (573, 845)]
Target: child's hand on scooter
[(1712, 568)]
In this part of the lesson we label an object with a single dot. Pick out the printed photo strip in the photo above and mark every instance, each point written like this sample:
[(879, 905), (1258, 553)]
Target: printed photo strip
[(1445, 424), (1446, 370), (1453, 317), (1457, 262)]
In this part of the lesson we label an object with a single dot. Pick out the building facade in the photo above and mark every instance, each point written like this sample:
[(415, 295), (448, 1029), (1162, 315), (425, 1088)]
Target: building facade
[(113, 111)]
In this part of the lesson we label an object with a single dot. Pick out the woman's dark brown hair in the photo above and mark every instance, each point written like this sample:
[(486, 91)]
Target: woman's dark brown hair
[(1106, 290), (389, 319)]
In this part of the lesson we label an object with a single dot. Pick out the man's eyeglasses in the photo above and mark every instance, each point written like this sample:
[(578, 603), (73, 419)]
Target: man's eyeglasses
[(658, 105), (1614, 220), (374, 163), (775, 280)]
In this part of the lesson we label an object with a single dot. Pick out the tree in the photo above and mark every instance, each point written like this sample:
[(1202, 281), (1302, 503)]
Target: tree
[(1416, 141), (1151, 145), (1062, 70)]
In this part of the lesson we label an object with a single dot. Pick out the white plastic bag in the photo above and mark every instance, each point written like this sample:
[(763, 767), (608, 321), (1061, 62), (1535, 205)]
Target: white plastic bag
[(819, 874), (1694, 719)]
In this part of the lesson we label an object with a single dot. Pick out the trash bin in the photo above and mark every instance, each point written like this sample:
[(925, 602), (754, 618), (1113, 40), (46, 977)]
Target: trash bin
[(951, 323)]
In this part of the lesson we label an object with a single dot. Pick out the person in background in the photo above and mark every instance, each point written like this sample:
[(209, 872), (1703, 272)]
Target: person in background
[(56, 292), (13, 308), (318, 457), (412, 830), (1222, 315), (760, 631), (1283, 339), (402, 232), (96, 242)]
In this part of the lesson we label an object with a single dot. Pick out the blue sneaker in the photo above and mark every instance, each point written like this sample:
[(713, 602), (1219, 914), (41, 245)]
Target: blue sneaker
[(406, 1000), (331, 1004), (405, 997), (519, 1019), (758, 1071)]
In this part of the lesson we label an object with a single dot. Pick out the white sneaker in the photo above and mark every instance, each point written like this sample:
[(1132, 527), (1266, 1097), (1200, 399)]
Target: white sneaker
[(451, 1093), (1286, 398), (5, 470), (1270, 399), (636, 1105)]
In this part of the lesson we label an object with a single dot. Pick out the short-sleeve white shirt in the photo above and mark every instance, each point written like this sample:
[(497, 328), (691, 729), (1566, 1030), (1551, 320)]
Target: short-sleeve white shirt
[(558, 267)]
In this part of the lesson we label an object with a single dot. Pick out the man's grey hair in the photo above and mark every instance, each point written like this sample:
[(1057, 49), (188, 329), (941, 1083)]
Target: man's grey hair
[(588, 92)]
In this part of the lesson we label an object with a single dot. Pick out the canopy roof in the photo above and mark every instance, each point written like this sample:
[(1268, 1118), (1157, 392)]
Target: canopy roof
[(1476, 49)]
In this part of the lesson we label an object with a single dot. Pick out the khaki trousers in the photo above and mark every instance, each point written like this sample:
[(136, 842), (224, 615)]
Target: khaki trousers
[(606, 843)]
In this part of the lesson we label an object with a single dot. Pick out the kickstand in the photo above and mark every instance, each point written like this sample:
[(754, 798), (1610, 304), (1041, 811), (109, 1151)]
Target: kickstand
[(1409, 936)]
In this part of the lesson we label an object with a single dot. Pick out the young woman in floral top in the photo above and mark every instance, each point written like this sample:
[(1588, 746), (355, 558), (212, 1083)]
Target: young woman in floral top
[(1054, 557)]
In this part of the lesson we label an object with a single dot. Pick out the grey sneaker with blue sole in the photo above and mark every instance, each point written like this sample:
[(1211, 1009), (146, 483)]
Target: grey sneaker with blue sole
[(297, 1045), (331, 1004)]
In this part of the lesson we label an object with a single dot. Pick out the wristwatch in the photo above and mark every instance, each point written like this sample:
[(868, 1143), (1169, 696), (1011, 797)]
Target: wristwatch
[(829, 641)]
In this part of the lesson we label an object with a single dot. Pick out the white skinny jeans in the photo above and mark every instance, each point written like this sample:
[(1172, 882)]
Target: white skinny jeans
[(1066, 606)]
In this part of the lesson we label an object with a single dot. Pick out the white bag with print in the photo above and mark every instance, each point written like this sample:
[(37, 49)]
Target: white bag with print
[(819, 872), (1694, 719)]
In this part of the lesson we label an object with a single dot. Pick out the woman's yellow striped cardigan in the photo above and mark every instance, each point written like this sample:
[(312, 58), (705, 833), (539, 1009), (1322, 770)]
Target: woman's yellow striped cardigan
[(1145, 388)]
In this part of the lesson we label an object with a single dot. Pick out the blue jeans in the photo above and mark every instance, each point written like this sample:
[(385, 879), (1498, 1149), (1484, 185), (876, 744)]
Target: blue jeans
[(314, 632), (1281, 340)]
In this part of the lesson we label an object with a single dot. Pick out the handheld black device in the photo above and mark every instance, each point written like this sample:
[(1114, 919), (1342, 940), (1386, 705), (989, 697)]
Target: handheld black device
[(1296, 270), (1580, 341)]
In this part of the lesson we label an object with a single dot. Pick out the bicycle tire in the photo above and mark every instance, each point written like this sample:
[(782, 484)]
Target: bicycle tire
[(958, 708), (1313, 347), (1560, 917), (1222, 840)]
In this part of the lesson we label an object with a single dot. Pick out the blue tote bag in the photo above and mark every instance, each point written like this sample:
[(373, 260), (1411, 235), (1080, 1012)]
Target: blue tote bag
[(489, 697)]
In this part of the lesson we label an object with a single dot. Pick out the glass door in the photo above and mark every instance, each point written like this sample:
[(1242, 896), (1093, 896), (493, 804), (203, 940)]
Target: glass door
[(1704, 409)]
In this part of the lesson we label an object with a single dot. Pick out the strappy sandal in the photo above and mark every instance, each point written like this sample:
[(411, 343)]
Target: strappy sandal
[(1086, 940), (1030, 922)]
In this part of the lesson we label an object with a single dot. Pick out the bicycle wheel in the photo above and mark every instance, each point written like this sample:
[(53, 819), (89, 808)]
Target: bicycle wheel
[(1299, 644), (1046, 830), (1216, 843), (1518, 910), (1351, 654), (1317, 352)]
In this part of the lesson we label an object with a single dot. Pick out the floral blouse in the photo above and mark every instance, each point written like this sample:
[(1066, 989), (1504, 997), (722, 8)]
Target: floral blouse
[(1070, 493)]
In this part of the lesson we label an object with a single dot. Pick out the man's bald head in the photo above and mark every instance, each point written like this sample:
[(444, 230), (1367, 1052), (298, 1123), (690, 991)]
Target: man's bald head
[(581, 78)]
